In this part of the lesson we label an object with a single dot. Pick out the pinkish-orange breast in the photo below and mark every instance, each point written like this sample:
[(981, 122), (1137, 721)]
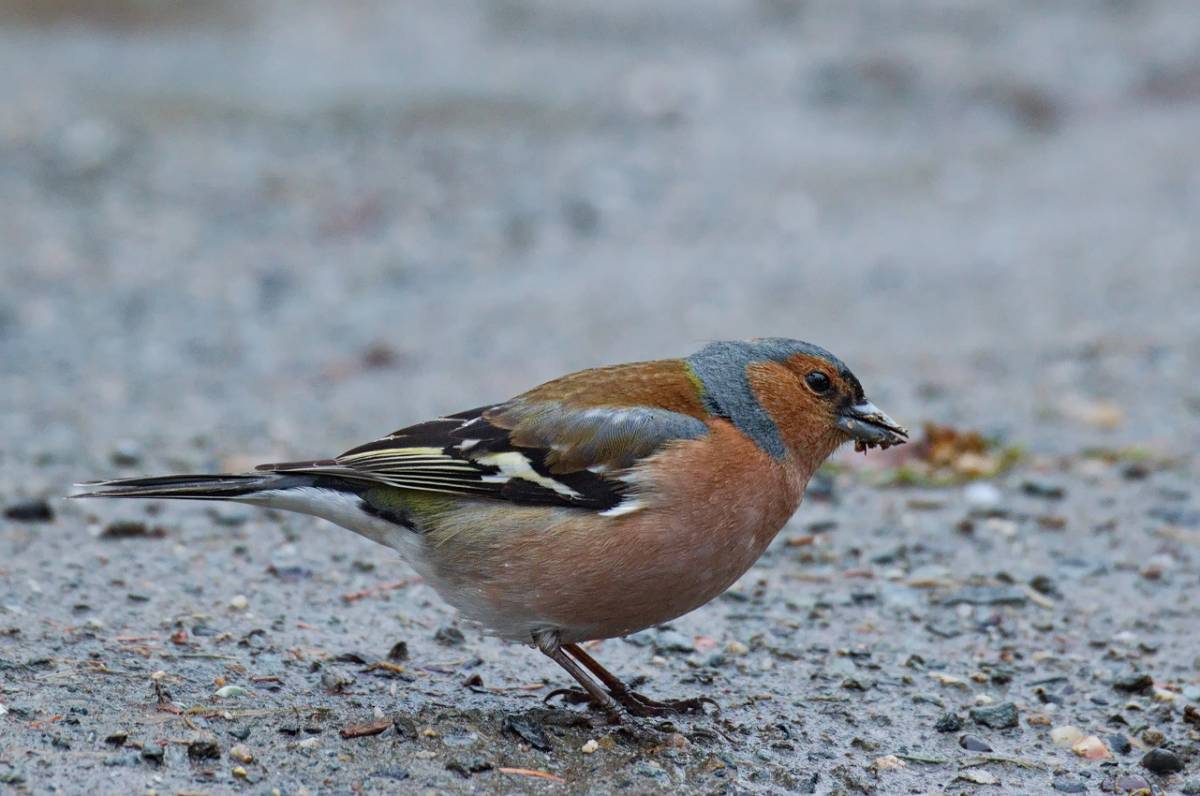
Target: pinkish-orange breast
[(712, 507)]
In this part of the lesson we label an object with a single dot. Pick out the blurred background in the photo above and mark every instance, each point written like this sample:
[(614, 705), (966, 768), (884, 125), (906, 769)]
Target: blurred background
[(241, 232), (225, 214)]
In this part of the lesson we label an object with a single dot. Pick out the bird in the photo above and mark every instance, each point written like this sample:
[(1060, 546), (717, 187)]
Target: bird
[(590, 507)]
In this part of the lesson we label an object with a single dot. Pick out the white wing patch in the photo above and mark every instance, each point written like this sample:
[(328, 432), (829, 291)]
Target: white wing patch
[(514, 465), (627, 506)]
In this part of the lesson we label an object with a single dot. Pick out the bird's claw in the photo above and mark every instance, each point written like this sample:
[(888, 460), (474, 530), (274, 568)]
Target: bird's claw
[(636, 704), (645, 707), (571, 696)]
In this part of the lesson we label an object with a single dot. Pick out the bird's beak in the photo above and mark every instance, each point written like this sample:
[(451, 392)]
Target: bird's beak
[(868, 426)]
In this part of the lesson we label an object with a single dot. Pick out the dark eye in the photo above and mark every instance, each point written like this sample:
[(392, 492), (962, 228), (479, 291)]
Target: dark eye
[(818, 382)]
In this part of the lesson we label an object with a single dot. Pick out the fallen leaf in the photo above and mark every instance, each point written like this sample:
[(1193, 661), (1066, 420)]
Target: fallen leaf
[(362, 730)]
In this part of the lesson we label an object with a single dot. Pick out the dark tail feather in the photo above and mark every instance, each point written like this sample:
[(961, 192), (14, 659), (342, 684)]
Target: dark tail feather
[(189, 487)]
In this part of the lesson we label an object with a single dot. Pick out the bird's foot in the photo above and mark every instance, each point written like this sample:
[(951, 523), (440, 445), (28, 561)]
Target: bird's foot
[(643, 706), (570, 696), (636, 704)]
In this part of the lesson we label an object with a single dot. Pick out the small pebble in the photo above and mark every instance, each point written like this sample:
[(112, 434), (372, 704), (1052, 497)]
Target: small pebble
[(1134, 682), (336, 680), (202, 749), (888, 763), (591, 746), (736, 648), (450, 636), (1162, 761), (1066, 736), (1066, 785), (126, 453), (1119, 743), (981, 494), (949, 722), (998, 717), (973, 744), (1152, 737), (30, 511), (466, 766), (230, 691), (239, 602), (241, 754), (1091, 748), (528, 729), (229, 515), (1043, 489), (1131, 783), (1043, 584), (672, 641)]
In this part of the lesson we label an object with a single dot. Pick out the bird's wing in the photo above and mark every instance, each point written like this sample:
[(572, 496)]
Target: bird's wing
[(529, 452), (568, 442)]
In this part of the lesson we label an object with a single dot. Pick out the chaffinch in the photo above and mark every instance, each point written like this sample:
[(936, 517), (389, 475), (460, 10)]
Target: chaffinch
[(595, 505)]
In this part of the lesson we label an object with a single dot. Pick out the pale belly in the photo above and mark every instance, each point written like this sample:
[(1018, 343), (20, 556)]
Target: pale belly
[(520, 572)]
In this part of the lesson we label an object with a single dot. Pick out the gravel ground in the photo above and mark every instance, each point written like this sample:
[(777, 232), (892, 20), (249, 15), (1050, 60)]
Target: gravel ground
[(236, 235)]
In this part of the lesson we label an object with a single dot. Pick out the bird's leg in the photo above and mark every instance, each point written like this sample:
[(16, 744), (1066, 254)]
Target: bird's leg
[(631, 700), (549, 645)]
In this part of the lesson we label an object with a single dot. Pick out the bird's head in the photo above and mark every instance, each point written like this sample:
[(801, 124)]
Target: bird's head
[(791, 397)]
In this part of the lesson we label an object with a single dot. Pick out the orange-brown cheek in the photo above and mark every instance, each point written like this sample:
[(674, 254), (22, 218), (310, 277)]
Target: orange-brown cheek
[(805, 422)]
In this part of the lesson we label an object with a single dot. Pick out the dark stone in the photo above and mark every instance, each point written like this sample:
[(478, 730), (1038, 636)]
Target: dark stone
[(126, 454), (117, 738), (1118, 743), (127, 759), (132, 529), (949, 722), (406, 728), (1134, 682), (1043, 584), (153, 752), (1042, 489), (973, 744), (30, 511), (1162, 761), (467, 765), (204, 749), (336, 680), (998, 717), (450, 636), (1066, 785), (1127, 783), (528, 729), (668, 640), (398, 652)]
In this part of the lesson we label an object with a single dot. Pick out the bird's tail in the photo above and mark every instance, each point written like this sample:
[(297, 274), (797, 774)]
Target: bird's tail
[(191, 487)]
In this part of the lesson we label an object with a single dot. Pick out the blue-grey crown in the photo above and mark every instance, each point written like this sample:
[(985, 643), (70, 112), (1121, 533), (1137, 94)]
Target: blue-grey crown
[(721, 369)]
